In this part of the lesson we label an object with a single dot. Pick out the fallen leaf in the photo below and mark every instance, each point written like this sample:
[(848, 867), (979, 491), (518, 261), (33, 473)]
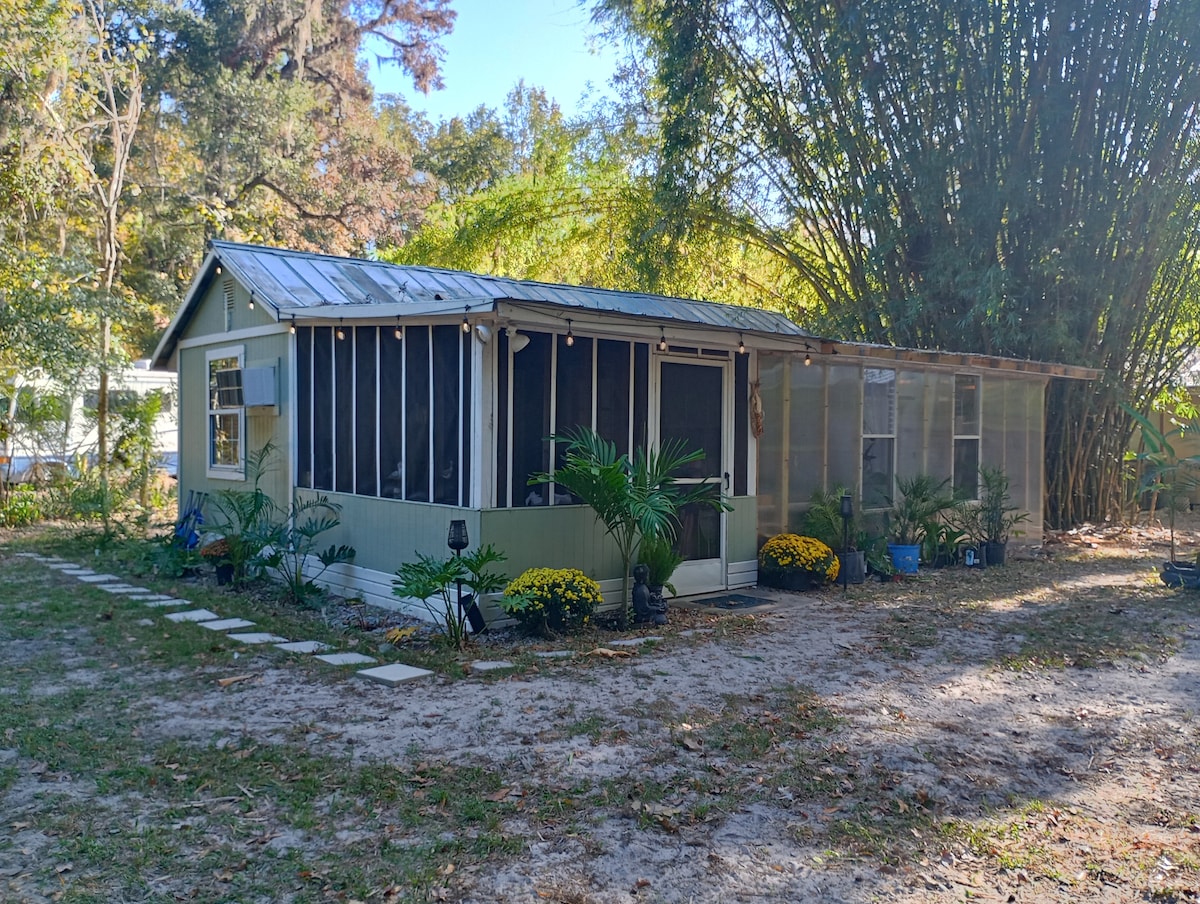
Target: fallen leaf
[(609, 654), (225, 682)]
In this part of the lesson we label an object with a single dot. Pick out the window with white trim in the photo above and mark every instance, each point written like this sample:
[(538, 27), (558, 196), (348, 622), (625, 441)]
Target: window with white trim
[(966, 435), (226, 413), (878, 437)]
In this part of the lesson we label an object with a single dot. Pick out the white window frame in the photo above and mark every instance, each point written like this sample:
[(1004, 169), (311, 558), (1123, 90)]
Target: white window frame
[(869, 436), (977, 436), (214, 471)]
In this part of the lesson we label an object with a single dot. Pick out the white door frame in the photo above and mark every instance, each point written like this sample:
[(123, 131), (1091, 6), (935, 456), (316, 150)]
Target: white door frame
[(703, 575)]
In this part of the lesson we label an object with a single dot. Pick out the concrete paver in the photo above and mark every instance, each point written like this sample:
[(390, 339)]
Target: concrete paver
[(396, 673), (304, 646), (192, 615), (346, 658), (227, 624), (257, 637)]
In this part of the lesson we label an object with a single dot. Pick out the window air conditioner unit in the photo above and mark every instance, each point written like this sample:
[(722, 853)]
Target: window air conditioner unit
[(258, 387)]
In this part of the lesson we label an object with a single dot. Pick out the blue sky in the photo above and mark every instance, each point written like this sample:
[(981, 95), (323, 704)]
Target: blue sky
[(496, 43)]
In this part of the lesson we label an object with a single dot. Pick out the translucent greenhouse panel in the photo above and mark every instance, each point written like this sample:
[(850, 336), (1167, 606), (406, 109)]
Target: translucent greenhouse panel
[(1035, 451), (912, 424), (806, 446), (845, 426), (771, 372), (939, 391), (992, 429)]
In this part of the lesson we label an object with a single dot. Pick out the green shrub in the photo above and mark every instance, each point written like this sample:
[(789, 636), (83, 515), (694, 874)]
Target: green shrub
[(22, 505), (547, 601)]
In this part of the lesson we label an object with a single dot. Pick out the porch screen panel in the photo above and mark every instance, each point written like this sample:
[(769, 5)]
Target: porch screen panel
[(366, 370), (741, 424), (502, 419), (806, 438), (531, 418), (465, 388), (416, 413), (641, 394), (612, 392), (845, 426), (304, 406), (343, 412), (323, 408), (447, 371), (691, 412), (572, 395), (772, 489), (391, 415)]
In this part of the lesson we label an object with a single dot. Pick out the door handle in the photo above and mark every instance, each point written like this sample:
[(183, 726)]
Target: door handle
[(726, 481)]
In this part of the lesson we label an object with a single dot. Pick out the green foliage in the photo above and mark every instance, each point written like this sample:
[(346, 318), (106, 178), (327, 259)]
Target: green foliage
[(997, 515), (245, 518), (823, 520), (22, 505), (658, 554), (430, 580), (293, 545), (549, 601), (632, 499), (918, 509)]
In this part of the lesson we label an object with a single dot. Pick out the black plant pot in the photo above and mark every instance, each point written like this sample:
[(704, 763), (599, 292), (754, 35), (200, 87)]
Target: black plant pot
[(224, 574), (852, 567), (995, 553)]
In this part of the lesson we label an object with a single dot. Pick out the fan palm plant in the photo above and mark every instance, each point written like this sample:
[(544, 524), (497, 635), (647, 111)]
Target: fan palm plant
[(632, 498)]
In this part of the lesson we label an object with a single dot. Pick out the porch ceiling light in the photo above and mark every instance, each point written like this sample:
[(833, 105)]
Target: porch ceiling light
[(662, 339), (570, 335)]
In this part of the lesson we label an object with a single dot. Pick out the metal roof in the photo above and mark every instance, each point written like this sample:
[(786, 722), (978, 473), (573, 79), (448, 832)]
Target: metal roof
[(300, 283)]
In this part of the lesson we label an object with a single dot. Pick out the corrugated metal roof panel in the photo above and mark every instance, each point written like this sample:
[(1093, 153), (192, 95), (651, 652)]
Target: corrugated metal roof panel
[(295, 279)]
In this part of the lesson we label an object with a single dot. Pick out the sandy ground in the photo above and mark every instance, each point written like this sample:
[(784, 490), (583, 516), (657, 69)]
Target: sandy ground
[(1083, 782)]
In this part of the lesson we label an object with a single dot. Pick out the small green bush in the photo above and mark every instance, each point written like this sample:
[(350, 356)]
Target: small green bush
[(547, 601), (23, 505)]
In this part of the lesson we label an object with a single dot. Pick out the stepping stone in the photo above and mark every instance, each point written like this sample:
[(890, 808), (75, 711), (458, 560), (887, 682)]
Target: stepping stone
[(192, 615), (693, 632), (166, 602), (227, 624), (396, 673), (122, 588), (46, 560), (304, 646), (632, 641), (149, 597), (554, 654), (27, 555), (490, 665), (346, 658), (255, 637), (77, 572), (62, 566), (98, 578)]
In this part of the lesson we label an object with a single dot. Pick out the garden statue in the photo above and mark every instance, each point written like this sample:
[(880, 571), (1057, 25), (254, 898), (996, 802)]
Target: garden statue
[(648, 607)]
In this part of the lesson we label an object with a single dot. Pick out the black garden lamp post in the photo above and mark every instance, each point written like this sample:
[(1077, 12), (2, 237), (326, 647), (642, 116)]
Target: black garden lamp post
[(458, 541), (847, 512)]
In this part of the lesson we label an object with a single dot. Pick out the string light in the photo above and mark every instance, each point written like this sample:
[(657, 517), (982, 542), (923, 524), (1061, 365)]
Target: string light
[(570, 335), (252, 301), (341, 333), (807, 356), (292, 325), (466, 327), (399, 331), (662, 339), (741, 345)]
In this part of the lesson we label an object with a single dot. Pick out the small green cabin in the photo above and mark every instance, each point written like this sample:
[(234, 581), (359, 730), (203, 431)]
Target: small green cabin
[(415, 396)]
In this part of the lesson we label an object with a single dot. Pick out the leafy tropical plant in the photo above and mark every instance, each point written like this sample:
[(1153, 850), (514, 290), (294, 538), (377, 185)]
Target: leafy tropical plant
[(429, 579), (1161, 471), (823, 519), (293, 544), (997, 515), (245, 518), (632, 498), (658, 554), (550, 600), (918, 508)]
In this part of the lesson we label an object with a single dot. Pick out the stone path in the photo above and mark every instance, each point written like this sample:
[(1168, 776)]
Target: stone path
[(391, 675)]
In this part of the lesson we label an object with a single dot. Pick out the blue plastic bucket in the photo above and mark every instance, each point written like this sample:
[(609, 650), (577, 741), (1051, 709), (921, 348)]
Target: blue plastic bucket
[(905, 558)]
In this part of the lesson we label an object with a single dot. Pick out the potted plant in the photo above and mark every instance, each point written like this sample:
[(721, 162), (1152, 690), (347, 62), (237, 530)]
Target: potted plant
[(918, 509), (997, 515), (824, 521), (216, 551), (658, 555), (792, 562)]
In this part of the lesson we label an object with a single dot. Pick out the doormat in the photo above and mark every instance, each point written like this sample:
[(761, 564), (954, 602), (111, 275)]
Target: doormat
[(738, 601)]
